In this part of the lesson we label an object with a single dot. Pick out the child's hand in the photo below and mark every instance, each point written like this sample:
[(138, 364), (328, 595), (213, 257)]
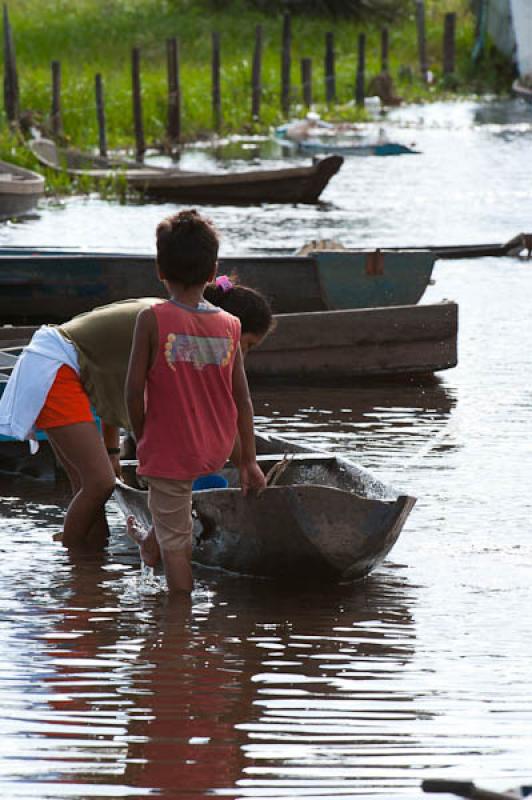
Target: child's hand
[(251, 477)]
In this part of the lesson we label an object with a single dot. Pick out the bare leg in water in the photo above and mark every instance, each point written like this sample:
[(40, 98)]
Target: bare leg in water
[(98, 534), (176, 563), (82, 452), (146, 540)]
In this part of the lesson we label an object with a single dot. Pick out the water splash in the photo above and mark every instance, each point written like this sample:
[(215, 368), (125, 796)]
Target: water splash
[(433, 442), (144, 584)]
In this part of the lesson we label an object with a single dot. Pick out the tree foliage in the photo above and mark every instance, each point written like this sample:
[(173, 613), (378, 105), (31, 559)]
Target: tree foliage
[(353, 9)]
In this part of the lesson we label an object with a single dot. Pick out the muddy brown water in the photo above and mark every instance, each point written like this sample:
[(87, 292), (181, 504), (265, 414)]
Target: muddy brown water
[(253, 691)]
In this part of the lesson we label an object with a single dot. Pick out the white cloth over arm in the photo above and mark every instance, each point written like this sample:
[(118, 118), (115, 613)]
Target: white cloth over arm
[(32, 379)]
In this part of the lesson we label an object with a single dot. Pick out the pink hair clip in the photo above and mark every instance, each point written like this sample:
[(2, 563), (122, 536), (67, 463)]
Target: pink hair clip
[(223, 282)]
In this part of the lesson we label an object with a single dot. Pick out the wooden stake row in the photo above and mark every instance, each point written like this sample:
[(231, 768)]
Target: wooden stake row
[(11, 91)]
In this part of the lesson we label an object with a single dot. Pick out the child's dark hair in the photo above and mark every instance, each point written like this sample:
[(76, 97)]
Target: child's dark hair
[(249, 305), (187, 248)]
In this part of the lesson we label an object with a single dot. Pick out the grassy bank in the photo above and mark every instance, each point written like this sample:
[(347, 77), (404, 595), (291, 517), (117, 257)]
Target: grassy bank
[(90, 36)]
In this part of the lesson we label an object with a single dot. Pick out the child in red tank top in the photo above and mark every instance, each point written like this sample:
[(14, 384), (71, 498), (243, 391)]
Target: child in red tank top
[(187, 394)]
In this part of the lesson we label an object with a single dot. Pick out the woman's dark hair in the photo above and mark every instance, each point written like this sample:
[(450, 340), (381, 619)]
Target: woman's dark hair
[(187, 248), (249, 305)]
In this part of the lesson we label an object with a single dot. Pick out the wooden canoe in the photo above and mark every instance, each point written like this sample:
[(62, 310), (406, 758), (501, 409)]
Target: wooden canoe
[(47, 285), (20, 190), (326, 346), (326, 518), (290, 185)]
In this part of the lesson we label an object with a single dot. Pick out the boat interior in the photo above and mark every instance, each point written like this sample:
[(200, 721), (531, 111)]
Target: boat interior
[(284, 468), (280, 469)]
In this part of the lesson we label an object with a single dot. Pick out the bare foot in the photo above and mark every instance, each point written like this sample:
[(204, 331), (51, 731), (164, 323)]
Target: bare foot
[(146, 540)]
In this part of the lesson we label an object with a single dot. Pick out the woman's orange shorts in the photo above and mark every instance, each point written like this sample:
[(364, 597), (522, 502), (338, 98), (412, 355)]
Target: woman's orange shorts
[(66, 403)]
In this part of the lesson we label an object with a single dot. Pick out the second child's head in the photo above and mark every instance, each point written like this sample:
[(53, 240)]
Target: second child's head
[(250, 306), (187, 249)]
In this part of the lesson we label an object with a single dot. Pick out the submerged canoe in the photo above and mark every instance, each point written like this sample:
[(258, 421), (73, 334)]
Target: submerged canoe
[(51, 285), (326, 518), (289, 185), (20, 190)]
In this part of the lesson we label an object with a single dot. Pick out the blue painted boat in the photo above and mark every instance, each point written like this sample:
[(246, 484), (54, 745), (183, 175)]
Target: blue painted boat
[(49, 285), (331, 148), (15, 456), (332, 145)]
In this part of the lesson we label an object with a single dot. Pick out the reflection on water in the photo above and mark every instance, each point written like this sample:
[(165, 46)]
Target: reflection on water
[(244, 688), (374, 423), (422, 670)]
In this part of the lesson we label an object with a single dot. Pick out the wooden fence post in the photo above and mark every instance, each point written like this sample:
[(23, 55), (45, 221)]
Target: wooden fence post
[(306, 81), (421, 38), (173, 128), (285, 64), (256, 75), (330, 77), (361, 69), (11, 93), (100, 115), (55, 117), (449, 43), (216, 90), (385, 45), (140, 146)]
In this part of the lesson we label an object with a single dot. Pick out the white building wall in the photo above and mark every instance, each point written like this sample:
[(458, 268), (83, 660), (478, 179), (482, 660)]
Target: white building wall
[(500, 26), (522, 23)]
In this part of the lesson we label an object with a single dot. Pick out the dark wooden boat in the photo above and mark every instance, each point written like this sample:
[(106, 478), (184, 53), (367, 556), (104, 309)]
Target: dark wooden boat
[(290, 185), (20, 190), (519, 245), (326, 518), (326, 346), (47, 285)]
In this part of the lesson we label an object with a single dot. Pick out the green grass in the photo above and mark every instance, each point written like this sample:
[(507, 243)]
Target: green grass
[(90, 36)]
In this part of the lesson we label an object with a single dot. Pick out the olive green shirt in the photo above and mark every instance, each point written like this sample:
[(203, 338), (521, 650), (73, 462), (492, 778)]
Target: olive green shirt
[(103, 338)]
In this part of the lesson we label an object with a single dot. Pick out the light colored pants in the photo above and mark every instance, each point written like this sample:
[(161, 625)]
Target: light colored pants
[(170, 504)]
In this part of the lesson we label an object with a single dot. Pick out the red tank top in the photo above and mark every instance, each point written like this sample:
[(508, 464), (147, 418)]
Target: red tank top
[(191, 417)]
